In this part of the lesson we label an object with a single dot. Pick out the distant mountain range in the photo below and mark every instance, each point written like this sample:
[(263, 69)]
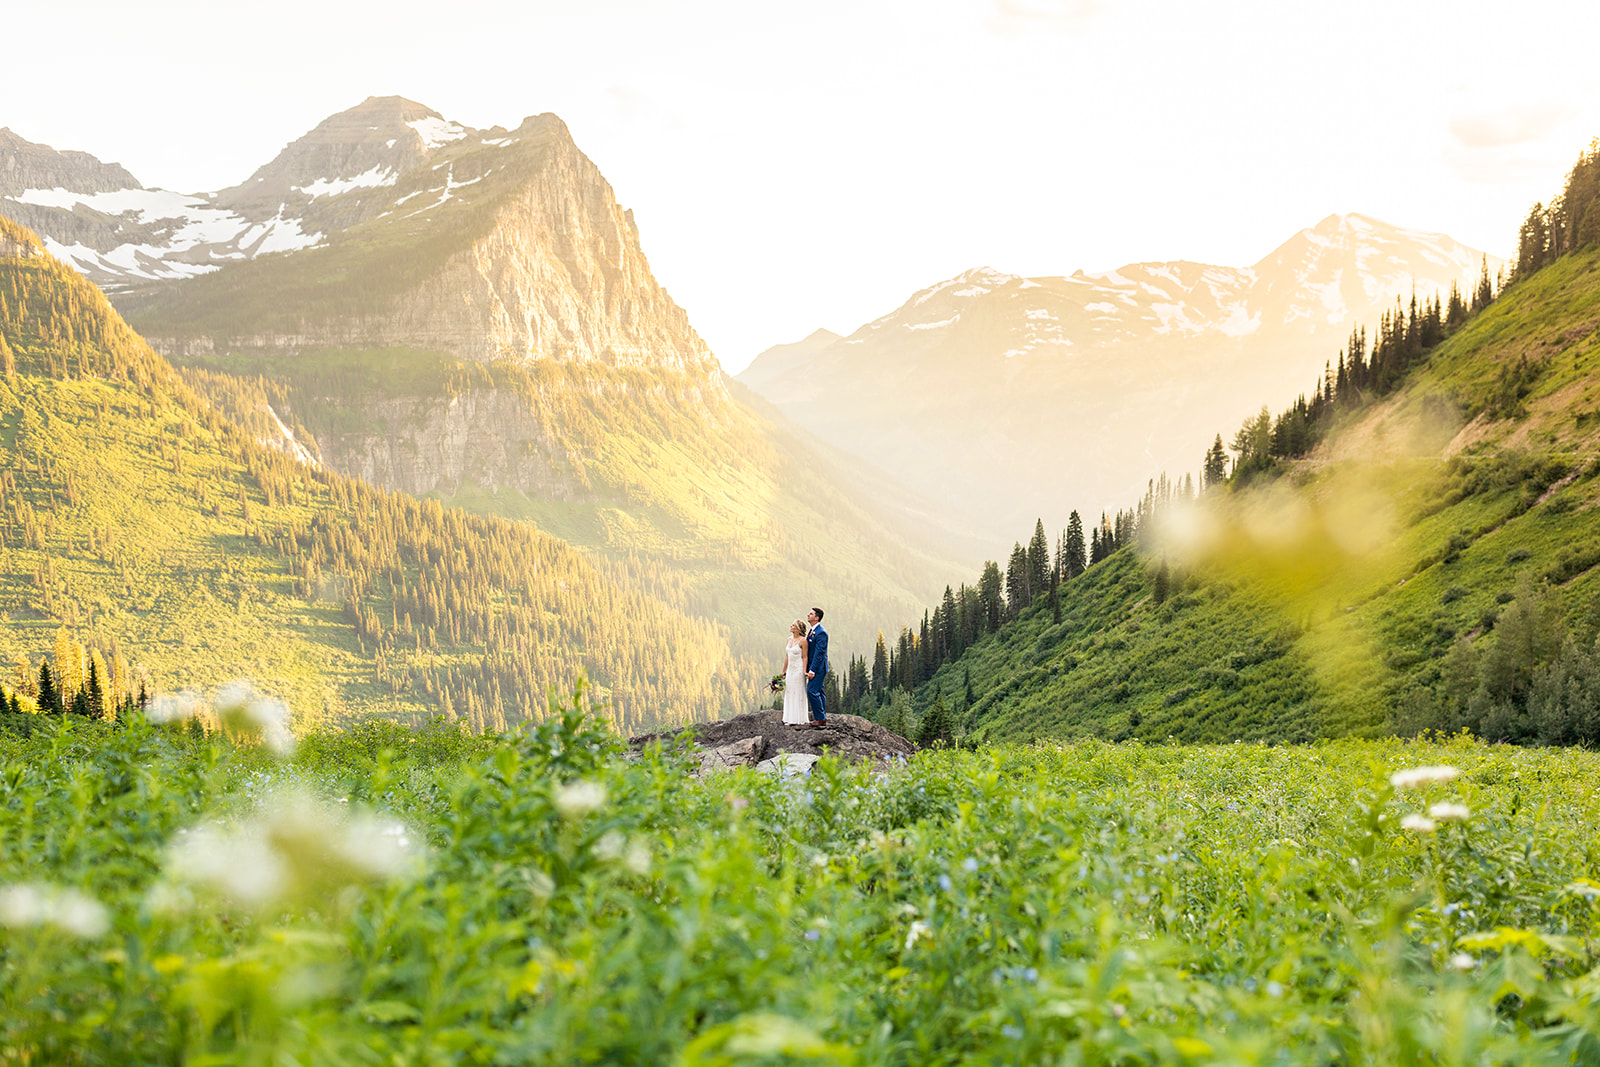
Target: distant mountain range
[(469, 315), (1006, 398)]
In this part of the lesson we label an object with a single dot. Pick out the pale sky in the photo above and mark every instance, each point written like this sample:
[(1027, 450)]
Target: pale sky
[(803, 165)]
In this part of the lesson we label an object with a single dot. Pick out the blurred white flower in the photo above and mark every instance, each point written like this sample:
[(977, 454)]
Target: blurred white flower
[(241, 865), (294, 844), (1445, 811), (172, 707), (1415, 777), (32, 904), (575, 800), (1462, 962), (247, 715), (637, 859), (917, 931), (1420, 824), (610, 847)]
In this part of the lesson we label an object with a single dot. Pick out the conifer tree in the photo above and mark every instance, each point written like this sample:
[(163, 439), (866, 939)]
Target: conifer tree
[(936, 727), (990, 593), (94, 694), (1038, 560), (1017, 592), (1074, 547), (49, 696), (880, 665), (1163, 580), (1214, 471), (951, 637), (1483, 295)]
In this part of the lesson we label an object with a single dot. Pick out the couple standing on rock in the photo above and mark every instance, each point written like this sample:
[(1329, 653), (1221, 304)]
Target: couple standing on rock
[(805, 668)]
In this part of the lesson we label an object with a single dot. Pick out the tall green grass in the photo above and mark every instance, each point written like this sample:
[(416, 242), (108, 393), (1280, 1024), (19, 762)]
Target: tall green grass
[(1088, 903)]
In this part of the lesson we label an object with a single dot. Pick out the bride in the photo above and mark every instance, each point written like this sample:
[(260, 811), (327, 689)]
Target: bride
[(796, 710)]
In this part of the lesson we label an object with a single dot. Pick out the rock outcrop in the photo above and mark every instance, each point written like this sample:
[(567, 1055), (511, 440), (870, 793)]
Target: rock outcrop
[(762, 737)]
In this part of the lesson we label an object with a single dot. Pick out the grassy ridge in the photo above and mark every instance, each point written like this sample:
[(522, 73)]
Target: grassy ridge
[(1330, 598), (1164, 905)]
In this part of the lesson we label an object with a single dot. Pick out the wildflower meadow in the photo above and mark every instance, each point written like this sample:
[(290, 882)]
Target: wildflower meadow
[(387, 896)]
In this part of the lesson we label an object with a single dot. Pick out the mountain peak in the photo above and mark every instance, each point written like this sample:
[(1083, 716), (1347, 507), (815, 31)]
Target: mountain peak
[(369, 144), (1351, 222), (984, 276)]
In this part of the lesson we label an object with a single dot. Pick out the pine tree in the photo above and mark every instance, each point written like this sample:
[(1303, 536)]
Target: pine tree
[(989, 598), (1074, 548), (935, 728), (49, 696), (94, 694), (968, 690), (1038, 561), (1163, 580), (1214, 471), (880, 665), (1483, 295), (1017, 593), (951, 637)]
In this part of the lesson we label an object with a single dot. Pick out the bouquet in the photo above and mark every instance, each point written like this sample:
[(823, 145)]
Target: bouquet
[(776, 685)]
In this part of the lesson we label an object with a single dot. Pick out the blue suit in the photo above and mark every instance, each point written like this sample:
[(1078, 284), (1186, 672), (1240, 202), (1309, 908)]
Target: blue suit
[(818, 666)]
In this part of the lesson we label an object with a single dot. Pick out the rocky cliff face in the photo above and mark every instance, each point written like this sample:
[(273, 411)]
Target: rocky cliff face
[(483, 245), (25, 165)]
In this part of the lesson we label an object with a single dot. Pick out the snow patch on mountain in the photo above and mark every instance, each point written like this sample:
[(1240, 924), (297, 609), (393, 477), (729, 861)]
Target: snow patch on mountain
[(437, 132), (372, 179)]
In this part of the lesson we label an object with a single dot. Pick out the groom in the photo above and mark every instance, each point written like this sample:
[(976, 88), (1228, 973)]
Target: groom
[(817, 669)]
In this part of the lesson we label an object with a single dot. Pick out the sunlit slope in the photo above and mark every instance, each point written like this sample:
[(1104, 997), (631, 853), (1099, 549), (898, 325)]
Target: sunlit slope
[(1419, 571), (145, 520), (648, 467)]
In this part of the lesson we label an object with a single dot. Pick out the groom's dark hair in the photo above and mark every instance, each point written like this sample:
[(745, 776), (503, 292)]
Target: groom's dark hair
[(819, 613)]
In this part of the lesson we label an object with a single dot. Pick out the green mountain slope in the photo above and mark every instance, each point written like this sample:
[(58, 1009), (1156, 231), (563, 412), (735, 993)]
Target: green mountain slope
[(150, 524), (1434, 564)]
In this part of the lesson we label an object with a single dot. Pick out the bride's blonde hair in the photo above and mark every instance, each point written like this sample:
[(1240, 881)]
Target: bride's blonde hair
[(799, 624)]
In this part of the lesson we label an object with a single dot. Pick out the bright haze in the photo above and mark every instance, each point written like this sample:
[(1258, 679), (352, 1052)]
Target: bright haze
[(811, 165)]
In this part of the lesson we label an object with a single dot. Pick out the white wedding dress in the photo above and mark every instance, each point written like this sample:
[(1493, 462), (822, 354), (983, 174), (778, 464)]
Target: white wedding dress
[(796, 710)]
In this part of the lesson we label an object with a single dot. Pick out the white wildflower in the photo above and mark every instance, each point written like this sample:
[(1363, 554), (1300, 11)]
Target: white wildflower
[(247, 715), (637, 859), (172, 707), (1420, 824), (1416, 777), (1460, 961), (575, 800), (240, 865), (610, 847), (32, 904), (294, 844), (917, 931), (1446, 811)]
